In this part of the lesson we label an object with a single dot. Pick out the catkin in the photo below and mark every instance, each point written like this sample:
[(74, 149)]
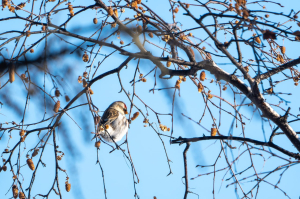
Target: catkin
[(30, 164)]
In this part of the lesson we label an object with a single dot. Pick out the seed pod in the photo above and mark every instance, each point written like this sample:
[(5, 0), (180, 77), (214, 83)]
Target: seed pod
[(57, 93), (246, 69), (121, 42), (209, 96), (15, 191), (11, 71), (166, 38), (145, 121), (269, 90), (110, 11), (202, 76), (23, 139), (85, 74), (30, 164), (23, 76), (95, 20), (135, 115), (79, 79), (21, 195), (4, 168), (84, 83), (140, 29), (123, 10), (187, 5), (31, 50), (144, 79), (11, 8), (91, 91), (150, 34), (67, 98), (138, 1), (56, 107), (116, 12), (85, 57), (257, 40), (97, 144), (224, 88), (176, 10), (168, 64), (22, 132), (200, 87), (168, 129), (113, 25), (282, 49), (68, 186), (134, 4), (35, 152), (213, 132), (296, 79), (267, 16), (43, 28), (184, 79), (245, 14)]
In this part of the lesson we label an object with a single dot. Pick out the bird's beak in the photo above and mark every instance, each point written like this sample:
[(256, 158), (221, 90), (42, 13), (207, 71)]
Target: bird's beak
[(125, 111)]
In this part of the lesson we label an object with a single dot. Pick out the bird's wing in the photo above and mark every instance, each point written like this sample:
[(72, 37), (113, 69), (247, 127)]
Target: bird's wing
[(109, 116)]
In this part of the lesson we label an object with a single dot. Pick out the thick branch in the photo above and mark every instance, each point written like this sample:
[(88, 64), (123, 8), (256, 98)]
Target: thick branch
[(278, 69)]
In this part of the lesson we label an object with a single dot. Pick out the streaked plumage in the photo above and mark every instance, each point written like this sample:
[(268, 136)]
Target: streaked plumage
[(114, 117)]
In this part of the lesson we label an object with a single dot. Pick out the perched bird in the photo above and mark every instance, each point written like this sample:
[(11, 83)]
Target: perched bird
[(113, 123)]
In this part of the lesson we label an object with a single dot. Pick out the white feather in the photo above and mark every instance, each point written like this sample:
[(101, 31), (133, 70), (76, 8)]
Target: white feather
[(118, 128)]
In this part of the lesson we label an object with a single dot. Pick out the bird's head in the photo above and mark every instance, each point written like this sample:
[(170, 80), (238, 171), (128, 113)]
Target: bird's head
[(119, 106)]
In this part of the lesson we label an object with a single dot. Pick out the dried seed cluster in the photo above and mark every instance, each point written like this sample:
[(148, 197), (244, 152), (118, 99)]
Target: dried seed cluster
[(56, 107), (97, 144), (95, 20), (200, 87), (30, 164), (68, 186), (163, 127), (35, 152), (202, 76), (71, 9), (85, 57), (213, 132), (135, 115), (15, 191)]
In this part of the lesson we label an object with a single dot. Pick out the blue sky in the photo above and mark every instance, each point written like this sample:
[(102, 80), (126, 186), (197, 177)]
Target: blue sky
[(146, 148)]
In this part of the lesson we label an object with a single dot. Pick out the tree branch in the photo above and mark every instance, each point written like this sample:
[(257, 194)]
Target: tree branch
[(186, 170), (278, 69), (181, 140)]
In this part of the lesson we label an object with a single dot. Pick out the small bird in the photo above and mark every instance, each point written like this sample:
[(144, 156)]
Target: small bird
[(113, 124)]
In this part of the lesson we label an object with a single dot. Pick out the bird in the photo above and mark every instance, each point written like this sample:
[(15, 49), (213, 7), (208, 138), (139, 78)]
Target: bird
[(113, 124)]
